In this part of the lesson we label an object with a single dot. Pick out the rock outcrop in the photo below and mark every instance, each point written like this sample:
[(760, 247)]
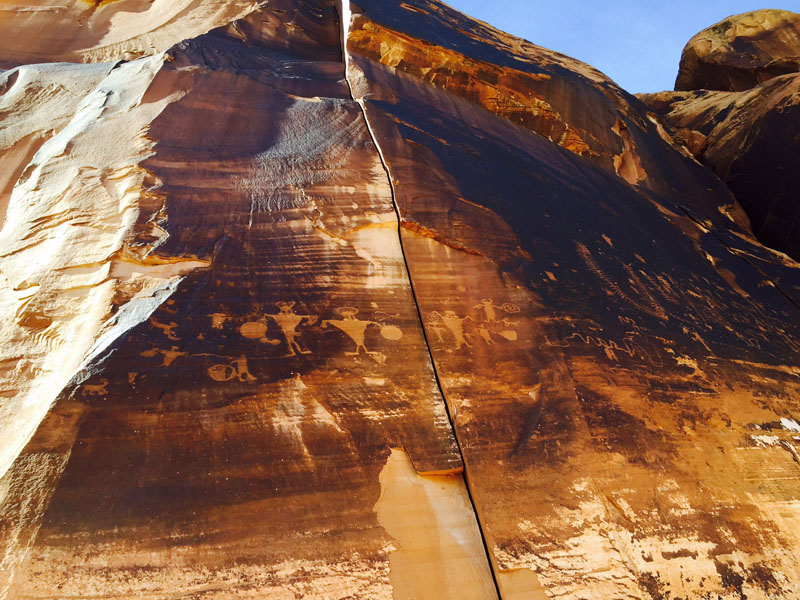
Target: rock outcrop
[(372, 300), (742, 51), (748, 135)]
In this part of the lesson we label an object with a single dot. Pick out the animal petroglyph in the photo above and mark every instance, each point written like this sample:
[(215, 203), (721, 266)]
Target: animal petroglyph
[(169, 355), (169, 329), (236, 369), (100, 389), (356, 330), (628, 346)]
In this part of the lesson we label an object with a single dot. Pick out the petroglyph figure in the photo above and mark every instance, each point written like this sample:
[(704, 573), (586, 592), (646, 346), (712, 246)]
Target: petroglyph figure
[(96, 390), (218, 320), (488, 308), (510, 335), (437, 328), (288, 321), (455, 325), (169, 355), (356, 330), (237, 369), (485, 327), (257, 330), (485, 334), (169, 330), (493, 326)]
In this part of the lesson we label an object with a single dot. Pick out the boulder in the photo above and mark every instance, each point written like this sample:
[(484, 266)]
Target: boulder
[(741, 51)]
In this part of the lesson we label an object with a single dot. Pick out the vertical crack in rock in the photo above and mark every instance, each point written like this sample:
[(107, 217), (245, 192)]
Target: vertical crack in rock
[(441, 550), (345, 18)]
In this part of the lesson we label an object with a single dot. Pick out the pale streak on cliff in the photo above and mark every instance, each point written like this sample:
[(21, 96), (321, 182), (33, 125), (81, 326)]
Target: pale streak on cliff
[(89, 31), (439, 550), (73, 276)]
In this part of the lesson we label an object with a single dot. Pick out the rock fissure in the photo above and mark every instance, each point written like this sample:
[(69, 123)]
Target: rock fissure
[(344, 19)]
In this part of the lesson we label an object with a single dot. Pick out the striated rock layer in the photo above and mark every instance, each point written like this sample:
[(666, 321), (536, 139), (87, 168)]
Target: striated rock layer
[(372, 300)]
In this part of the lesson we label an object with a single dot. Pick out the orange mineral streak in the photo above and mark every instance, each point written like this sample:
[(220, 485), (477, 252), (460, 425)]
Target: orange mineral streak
[(509, 93)]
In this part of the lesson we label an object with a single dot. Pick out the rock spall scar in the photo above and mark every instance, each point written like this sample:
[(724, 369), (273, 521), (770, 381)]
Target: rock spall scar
[(312, 299)]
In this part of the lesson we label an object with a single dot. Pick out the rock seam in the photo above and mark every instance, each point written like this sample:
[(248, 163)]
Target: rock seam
[(344, 23)]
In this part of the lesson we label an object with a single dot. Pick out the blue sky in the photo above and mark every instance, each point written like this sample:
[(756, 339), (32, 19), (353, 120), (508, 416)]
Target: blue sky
[(637, 43)]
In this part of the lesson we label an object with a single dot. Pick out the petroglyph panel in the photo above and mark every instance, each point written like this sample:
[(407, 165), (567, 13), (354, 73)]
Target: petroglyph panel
[(232, 442)]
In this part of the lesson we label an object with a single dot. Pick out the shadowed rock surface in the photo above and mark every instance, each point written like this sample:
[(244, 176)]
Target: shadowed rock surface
[(375, 301), (749, 135)]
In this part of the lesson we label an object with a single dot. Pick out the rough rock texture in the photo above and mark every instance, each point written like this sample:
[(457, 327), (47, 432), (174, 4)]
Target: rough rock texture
[(750, 138), (752, 141), (742, 51), (372, 300), (94, 31)]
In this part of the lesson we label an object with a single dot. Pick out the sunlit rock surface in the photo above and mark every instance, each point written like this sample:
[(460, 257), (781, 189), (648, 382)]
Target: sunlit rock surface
[(747, 135), (106, 30), (375, 301), (741, 51)]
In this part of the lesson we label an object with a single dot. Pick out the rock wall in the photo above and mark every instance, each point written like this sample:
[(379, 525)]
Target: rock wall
[(375, 301)]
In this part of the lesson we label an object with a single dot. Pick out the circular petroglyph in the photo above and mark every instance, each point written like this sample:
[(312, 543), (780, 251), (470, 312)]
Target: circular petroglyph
[(253, 330), (390, 332)]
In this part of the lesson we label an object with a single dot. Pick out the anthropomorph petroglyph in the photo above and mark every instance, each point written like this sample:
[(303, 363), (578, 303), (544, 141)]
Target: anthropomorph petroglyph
[(288, 321), (454, 324), (485, 326), (488, 308), (356, 330), (490, 311), (485, 334)]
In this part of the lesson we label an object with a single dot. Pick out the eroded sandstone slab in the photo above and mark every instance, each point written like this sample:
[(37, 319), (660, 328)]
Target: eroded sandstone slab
[(231, 443)]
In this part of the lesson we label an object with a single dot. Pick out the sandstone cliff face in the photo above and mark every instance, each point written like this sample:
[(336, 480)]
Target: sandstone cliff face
[(374, 301), (748, 133)]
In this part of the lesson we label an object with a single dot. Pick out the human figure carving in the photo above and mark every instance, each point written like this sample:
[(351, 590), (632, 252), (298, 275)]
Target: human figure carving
[(354, 328), (454, 324), (288, 321), (485, 335), (488, 309)]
